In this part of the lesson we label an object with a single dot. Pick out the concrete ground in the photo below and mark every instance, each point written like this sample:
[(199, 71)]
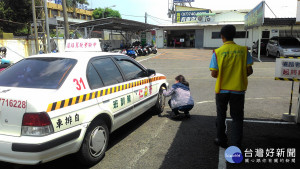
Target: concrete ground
[(160, 142)]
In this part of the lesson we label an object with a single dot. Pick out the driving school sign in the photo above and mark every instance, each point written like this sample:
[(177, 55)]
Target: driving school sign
[(287, 69), (183, 1), (83, 45), (187, 16), (255, 17)]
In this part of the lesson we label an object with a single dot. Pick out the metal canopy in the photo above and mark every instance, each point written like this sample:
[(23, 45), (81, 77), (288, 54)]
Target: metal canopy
[(114, 24), (279, 21)]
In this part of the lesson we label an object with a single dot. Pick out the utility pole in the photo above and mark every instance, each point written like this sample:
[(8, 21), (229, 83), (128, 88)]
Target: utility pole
[(47, 26), (66, 23), (146, 15), (36, 37)]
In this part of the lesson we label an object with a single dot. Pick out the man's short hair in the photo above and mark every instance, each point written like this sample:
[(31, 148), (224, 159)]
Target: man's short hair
[(228, 31)]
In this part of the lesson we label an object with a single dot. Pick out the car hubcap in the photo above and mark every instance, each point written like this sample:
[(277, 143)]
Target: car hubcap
[(97, 141), (161, 100)]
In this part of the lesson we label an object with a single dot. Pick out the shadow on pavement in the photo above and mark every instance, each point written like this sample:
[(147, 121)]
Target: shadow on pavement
[(193, 145), (264, 58), (69, 162), (268, 135)]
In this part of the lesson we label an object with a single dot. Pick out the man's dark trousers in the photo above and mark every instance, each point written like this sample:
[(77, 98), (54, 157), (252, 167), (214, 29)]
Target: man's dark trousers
[(236, 102)]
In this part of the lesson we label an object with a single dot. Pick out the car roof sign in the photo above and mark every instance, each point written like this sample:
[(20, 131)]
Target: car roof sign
[(83, 45)]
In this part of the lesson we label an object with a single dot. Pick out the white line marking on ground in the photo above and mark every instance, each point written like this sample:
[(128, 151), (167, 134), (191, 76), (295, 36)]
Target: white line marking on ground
[(149, 57), (267, 98), (137, 157), (143, 151), (222, 160), (264, 122), (208, 101)]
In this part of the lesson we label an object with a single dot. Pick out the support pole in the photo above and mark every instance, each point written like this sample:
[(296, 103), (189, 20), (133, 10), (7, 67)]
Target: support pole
[(259, 41), (291, 100), (57, 34), (47, 27), (297, 119), (36, 37), (85, 33), (146, 15), (66, 23)]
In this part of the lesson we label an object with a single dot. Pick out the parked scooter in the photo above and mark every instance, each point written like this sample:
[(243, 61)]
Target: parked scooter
[(131, 53), (4, 63), (154, 49), (107, 47)]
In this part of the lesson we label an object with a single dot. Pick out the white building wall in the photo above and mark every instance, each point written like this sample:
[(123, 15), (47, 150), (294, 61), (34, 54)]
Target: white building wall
[(229, 17), (159, 38), (215, 43)]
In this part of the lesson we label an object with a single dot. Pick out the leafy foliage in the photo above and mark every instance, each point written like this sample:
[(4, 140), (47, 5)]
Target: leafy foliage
[(16, 16), (108, 12)]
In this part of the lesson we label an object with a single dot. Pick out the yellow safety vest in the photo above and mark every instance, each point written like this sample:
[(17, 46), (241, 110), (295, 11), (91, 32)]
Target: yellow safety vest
[(232, 64)]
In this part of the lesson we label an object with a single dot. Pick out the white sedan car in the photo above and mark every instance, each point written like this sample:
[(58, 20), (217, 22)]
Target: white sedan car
[(52, 105)]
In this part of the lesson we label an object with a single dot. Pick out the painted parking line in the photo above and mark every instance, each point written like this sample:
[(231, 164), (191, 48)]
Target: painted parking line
[(267, 98), (264, 122), (151, 57), (222, 160)]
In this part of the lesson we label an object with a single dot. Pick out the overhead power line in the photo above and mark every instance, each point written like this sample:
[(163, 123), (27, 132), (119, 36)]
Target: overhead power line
[(155, 20), (133, 15), (159, 18), (13, 22)]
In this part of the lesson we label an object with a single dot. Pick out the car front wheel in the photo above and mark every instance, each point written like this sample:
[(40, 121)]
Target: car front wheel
[(159, 106), (94, 144)]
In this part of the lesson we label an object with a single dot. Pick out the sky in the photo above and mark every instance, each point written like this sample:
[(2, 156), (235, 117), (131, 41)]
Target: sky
[(135, 9)]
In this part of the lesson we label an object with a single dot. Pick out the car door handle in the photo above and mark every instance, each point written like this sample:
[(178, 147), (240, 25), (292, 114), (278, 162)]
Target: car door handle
[(106, 101)]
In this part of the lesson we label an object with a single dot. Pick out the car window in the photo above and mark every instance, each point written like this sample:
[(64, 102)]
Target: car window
[(46, 73), (93, 78), (289, 42), (108, 71), (130, 70)]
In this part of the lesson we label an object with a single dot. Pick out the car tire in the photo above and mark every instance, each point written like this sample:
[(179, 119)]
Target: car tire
[(278, 55), (94, 143), (267, 53), (159, 106)]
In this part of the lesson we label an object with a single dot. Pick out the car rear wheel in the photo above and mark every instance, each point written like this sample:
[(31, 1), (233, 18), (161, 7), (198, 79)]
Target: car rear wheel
[(94, 144), (267, 53), (278, 55), (159, 107)]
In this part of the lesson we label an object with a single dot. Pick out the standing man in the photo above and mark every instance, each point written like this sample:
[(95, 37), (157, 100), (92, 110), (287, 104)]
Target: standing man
[(231, 64)]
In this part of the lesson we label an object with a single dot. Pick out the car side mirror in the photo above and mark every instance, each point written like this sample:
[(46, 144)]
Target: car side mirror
[(150, 72)]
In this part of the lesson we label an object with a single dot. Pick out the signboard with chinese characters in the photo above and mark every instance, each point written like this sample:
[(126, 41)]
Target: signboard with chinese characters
[(298, 13), (288, 69), (188, 16), (255, 17), (83, 45), (183, 1)]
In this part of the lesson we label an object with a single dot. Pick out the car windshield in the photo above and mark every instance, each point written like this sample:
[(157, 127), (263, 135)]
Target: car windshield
[(289, 42), (45, 73)]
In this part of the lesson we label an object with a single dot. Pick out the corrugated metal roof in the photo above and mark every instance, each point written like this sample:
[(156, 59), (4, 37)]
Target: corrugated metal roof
[(279, 21), (114, 24)]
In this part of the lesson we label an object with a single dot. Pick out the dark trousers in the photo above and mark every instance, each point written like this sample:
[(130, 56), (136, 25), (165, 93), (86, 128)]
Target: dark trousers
[(185, 109), (236, 102)]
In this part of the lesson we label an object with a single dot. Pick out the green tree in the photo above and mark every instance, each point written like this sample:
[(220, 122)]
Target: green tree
[(15, 16), (73, 4), (108, 12)]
